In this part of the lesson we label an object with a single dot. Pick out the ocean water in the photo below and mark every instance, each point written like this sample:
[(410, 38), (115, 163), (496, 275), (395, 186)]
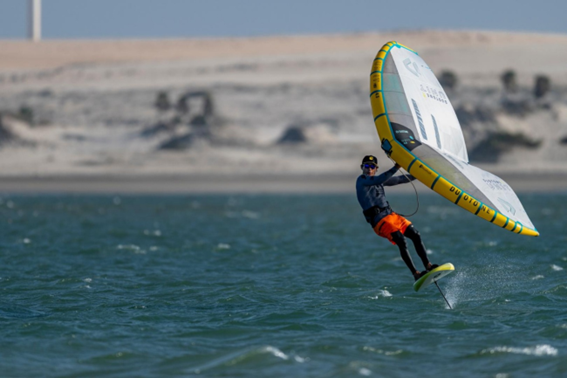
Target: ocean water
[(273, 285)]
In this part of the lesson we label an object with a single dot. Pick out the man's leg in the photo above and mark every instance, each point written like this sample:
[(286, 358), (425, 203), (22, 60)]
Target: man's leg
[(415, 237), (400, 241)]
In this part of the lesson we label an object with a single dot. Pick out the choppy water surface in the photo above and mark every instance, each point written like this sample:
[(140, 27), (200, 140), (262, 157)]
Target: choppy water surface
[(241, 286)]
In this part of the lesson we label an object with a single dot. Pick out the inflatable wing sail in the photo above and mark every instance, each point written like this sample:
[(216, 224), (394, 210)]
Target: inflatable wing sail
[(419, 129)]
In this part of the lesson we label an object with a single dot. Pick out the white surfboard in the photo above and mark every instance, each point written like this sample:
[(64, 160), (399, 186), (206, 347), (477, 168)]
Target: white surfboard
[(433, 276)]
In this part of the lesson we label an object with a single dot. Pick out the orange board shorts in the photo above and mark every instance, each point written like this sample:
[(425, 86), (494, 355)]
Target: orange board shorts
[(390, 224)]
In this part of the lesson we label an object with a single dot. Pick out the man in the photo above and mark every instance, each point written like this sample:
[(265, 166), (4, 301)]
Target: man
[(385, 222)]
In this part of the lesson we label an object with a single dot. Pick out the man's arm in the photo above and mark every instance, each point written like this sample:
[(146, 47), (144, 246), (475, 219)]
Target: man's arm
[(378, 180), (399, 180)]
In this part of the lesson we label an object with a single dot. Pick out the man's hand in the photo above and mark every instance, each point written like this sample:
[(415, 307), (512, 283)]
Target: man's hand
[(397, 166)]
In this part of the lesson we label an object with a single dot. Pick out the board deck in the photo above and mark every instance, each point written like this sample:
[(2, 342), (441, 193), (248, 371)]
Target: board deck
[(435, 275)]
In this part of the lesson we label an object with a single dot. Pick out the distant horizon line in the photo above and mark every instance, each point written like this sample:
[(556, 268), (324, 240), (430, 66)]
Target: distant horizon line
[(259, 36)]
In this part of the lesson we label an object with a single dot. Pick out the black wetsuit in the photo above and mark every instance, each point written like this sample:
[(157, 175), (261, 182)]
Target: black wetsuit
[(372, 198)]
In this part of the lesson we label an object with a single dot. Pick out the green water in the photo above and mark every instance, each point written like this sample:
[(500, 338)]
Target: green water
[(282, 286)]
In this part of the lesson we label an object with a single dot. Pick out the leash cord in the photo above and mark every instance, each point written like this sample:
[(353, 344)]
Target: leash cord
[(415, 190)]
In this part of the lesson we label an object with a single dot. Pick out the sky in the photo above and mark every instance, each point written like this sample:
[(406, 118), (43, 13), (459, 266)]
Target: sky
[(90, 19)]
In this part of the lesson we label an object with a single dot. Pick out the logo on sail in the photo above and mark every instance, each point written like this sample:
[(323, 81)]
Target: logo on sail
[(508, 206), (411, 66)]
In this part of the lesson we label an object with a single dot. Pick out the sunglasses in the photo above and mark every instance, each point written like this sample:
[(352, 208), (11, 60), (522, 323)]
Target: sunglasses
[(371, 166)]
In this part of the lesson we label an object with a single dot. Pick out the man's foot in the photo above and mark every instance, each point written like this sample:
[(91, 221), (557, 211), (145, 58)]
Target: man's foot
[(431, 266), (417, 275)]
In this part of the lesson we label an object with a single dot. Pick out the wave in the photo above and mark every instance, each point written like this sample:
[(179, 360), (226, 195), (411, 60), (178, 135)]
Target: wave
[(247, 356), (538, 350)]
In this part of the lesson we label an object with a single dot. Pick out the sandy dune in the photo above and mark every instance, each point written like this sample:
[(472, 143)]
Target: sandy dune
[(93, 104)]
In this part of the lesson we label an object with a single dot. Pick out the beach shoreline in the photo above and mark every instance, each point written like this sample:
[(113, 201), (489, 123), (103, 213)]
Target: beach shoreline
[(237, 184)]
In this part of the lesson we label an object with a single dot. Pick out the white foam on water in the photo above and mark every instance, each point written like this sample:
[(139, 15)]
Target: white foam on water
[(276, 352), (538, 277), (26, 241), (395, 352), (364, 371), (154, 232), (300, 359), (88, 280), (223, 246), (381, 351), (131, 247), (245, 354), (538, 350), (557, 268), (429, 251), (250, 214), (279, 354), (382, 293)]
